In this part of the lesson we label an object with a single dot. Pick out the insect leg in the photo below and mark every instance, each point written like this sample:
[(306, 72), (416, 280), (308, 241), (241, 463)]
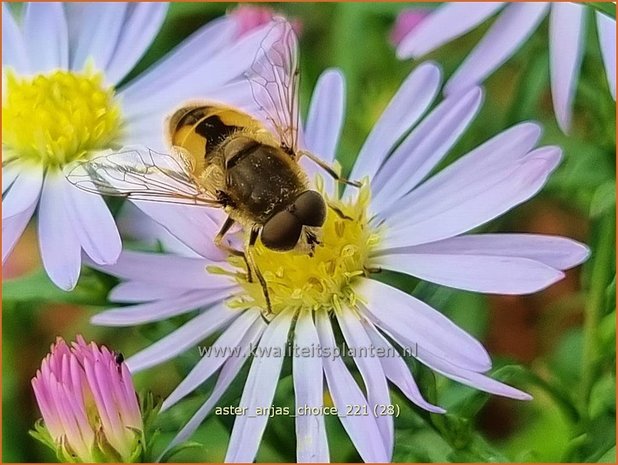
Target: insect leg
[(229, 222), (253, 235), (329, 169)]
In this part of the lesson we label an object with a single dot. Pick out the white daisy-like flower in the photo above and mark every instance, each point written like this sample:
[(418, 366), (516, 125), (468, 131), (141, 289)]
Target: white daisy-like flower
[(61, 67), (406, 220), (514, 25)]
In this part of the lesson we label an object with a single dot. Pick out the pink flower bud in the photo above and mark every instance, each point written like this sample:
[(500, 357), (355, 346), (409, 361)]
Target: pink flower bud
[(89, 406), (405, 22), (250, 17)]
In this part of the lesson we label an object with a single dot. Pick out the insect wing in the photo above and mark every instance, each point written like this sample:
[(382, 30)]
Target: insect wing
[(274, 83), (141, 174)]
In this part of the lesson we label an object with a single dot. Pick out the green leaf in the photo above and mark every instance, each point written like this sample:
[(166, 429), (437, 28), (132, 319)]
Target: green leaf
[(420, 446), (560, 395), (530, 88), (610, 296), (91, 289), (565, 360), (468, 310), (609, 456), (179, 448), (609, 8), (41, 434), (604, 199), (607, 336), (603, 396), (149, 407), (479, 451), (601, 273), (601, 436)]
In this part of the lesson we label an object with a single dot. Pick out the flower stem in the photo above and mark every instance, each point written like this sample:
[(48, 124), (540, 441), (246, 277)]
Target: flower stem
[(599, 280)]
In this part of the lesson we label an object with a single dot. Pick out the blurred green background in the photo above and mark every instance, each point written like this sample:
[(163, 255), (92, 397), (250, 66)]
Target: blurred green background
[(558, 344)]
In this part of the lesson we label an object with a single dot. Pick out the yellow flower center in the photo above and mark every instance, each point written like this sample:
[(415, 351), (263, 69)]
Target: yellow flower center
[(56, 118), (318, 282)]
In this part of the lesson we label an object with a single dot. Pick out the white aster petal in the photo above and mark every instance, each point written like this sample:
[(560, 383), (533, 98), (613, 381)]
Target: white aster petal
[(501, 150), (46, 36), (140, 291), (13, 228), (229, 371), (208, 365), (94, 225), (186, 62), (59, 245), (135, 224), (237, 93), (512, 28), (505, 148), (149, 129), (491, 274), (363, 430), (606, 27), (10, 173), (23, 193), (182, 338), (192, 225), (14, 53), (405, 108), (558, 252), (423, 149), (143, 21), (397, 371), (259, 391), (566, 48), (326, 115), (311, 439), (324, 123), (74, 14), (189, 273), (448, 205), (157, 310), (228, 63), (94, 29), (449, 21), (469, 378), (371, 371), (416, 324), (209, 77)]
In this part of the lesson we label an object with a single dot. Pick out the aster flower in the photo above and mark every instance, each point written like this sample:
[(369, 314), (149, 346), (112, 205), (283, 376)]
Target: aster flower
[(89, 406), (514, 25), (61, 67), (402, 219)]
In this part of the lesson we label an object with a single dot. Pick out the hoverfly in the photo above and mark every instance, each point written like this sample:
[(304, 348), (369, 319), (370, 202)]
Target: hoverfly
[(225, 158)]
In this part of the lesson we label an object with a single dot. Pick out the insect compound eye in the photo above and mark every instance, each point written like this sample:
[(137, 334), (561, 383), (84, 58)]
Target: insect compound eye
[(282, 231), (310, 209)]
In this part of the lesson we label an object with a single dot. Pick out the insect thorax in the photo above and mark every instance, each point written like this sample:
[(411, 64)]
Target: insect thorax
[(261, 179)]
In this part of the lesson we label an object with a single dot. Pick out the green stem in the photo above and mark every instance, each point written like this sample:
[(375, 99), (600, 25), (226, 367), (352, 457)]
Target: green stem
[(599, 279)]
